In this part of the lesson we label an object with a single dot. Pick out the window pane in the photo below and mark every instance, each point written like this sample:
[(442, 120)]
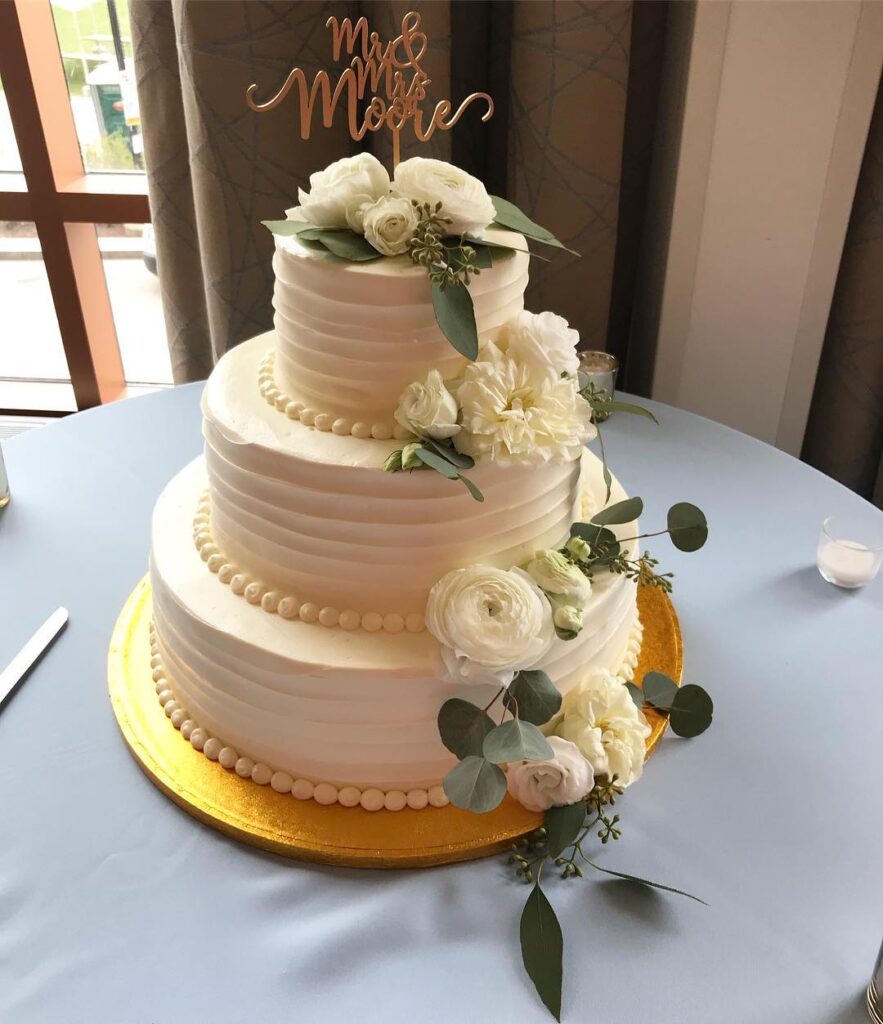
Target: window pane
[(96, 46), (129, 258), (30, 341), (9, 158)]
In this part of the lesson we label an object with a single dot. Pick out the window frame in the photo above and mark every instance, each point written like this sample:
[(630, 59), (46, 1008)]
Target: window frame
[(62, 200)]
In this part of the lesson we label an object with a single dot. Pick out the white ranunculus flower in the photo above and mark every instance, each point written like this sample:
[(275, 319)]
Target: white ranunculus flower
[(567, 616), (428, 409), (464, 199), (514, 412), (339, 194), (545, 340), (601, 718), (490, 622), (556, 574), (565, 779), (389, 224)]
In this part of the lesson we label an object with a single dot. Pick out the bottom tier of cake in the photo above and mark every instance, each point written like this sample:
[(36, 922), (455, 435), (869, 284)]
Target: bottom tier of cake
[(337, 714)]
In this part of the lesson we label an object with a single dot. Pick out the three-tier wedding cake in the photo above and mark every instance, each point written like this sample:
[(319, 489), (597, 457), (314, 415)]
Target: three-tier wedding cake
[(382, 518)]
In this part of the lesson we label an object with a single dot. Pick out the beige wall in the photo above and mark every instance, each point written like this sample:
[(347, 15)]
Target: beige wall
[(753, 193)]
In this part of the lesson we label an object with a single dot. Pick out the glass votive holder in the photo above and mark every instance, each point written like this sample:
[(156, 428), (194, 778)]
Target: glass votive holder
[(600, 369), (4, 482), (850, 551), (875, 991)]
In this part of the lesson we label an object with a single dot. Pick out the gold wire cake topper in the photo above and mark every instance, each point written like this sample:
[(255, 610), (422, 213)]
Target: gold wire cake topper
[(393, 68)]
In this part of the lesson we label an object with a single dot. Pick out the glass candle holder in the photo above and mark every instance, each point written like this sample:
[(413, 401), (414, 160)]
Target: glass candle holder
[(850, 551), (600, 369), (4, 482), (875, 991)]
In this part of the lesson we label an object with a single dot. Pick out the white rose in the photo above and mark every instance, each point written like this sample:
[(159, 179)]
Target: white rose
[(565, 779), (464, 199), (338, 194), (601, 718), (556, 574), (428, 409), (490, 622), (545, 340), (389, 224), (513, 412)]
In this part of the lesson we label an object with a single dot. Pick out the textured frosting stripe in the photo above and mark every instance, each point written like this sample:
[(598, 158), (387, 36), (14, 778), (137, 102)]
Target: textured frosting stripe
[(362, 705), (352, 336), (312, 514)]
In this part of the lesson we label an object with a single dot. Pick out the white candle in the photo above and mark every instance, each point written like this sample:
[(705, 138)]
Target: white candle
[(847, 563)]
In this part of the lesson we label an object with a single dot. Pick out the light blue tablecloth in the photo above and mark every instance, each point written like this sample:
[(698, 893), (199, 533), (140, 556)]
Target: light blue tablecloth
[(118, 908)]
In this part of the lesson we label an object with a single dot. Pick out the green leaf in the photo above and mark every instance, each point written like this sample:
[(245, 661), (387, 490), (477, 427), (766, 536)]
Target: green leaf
[(516, 741), (463, 727), (436, 462), (643, 881), (288, 227), (533, 696), (470, 486), (691, 711), (637, 410), (455, 317), (562, 826), (637, 694), (475, 242), (659, 690), (542, 949), (344, 243), (509, 216), (687, 526), (475, 785), (603, 542), (483, 259), (447, 451), (622, 512)]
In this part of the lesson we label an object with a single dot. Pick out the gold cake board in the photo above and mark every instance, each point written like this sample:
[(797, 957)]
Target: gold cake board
[(304, 829)]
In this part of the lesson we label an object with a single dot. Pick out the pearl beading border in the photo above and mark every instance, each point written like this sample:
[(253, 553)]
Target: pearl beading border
[(325, 793), (326, 421), (287, 606)]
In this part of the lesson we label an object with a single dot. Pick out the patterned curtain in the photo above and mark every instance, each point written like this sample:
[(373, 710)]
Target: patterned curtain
[(844, 436), (558, 72)]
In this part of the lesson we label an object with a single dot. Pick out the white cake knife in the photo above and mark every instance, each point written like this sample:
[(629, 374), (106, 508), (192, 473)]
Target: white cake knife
[(31, 653)]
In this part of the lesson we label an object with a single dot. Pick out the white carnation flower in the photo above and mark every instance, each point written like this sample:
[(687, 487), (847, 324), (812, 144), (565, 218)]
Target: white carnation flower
[(389, 224), (558, 575), (464, 199), (490, 622), (339, 194), (428, 409), (565, 779), (601, 718), (514, 412), (545, 340)]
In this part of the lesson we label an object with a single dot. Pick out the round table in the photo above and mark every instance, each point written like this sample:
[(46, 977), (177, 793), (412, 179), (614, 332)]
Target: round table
[(116, 906)]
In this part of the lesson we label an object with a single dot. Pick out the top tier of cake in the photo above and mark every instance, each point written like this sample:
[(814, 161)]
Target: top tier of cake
[(351, 336)]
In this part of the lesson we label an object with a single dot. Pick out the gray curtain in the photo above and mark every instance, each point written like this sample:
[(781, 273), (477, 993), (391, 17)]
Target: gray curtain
[(844, 436), (558, 72)]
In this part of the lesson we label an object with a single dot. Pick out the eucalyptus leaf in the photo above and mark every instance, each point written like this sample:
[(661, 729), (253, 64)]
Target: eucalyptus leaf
[(436, 462), (502, 247), (509, 216), (659, 690), (455, 316), (542, 949), (687, 526), (448, 452), (691, 711), (288, 227), (636, 693), (484, 258), (615, 405), (475, 785), (344, 243), (470, 486), (643, 881), (463, 727), (516, 741), (532, 696), (565, 634), (622, 512), (603, 542), (562, 826)]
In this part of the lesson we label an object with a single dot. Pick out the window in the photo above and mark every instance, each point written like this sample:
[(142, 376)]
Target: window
[(77, 274)]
